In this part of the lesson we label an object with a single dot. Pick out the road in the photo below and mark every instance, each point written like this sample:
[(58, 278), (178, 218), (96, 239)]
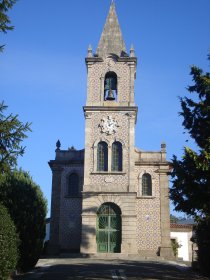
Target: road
[(95, 269)]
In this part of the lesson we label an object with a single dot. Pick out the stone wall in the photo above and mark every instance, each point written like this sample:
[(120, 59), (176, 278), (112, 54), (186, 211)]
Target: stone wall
[(126, 203), (148, 211), (70, 212)]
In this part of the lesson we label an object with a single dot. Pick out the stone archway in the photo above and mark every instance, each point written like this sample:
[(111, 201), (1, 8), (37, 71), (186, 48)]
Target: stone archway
[(108, 228)]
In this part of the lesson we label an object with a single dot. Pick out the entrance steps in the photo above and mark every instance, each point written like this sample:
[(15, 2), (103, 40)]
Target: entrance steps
[(112, 256)]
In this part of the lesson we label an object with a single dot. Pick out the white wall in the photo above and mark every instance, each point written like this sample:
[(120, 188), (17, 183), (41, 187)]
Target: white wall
[(183, 238)]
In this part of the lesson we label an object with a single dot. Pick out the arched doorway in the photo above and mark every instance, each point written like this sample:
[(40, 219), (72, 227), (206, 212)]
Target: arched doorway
[(108, 234)]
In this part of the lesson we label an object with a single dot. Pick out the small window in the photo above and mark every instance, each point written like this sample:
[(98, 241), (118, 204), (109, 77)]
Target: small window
[(116, 156), (73, 188), (110, 87), (146, 185), (102, 156)]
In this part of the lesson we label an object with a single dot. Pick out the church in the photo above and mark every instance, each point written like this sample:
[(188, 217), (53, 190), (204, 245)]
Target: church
[(110, 197)]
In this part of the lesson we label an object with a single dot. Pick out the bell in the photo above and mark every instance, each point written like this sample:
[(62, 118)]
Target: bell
[(110, 95)]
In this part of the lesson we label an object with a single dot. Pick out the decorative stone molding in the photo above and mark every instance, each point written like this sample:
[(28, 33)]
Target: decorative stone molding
[(87, 115), (108, 125)]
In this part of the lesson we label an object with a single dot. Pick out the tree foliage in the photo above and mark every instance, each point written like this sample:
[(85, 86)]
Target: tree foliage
[(27, 207), (5, 23), (191, 175), (8, 244), (202, 238), (175, 246), (12, 133)]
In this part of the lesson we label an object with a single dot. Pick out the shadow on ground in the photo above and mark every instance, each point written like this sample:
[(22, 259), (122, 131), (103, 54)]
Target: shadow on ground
[(89, 269)]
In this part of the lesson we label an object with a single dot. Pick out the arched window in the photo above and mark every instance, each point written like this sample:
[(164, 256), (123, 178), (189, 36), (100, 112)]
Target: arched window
[(73, 186), (116, 156), (146, 185), (102, 156), (110, 86)]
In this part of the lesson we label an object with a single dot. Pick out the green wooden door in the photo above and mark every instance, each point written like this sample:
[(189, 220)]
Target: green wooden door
[(108, 229)]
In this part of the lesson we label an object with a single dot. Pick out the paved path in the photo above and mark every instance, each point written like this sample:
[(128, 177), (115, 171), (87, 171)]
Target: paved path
[(95, 269)]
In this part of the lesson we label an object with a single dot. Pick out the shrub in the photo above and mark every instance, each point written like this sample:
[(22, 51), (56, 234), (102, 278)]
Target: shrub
[(27, 207), (202, 238), (8, 244), (175, 246)]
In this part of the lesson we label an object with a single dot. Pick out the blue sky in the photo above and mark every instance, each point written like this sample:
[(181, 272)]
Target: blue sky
[(43, 72)]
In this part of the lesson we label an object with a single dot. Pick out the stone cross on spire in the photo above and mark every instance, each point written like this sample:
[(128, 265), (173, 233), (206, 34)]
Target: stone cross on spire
[(111, 40)]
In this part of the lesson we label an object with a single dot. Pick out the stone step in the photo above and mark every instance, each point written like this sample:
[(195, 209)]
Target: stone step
[(109, 256)]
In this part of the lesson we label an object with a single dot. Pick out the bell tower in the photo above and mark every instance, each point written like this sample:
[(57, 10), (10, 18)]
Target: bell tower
[(110, 197), (110, 115)]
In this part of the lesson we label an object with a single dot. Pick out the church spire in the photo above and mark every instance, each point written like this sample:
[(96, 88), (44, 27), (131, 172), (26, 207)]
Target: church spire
[(111, 40)]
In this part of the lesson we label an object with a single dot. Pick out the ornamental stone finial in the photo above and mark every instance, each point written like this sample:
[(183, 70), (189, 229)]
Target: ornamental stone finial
[(90, 51), (132, 51), (58, 145), (163, 147)]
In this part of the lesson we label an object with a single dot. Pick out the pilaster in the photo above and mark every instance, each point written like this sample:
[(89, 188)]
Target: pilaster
[(166, 249), (132, 79), (54, 245)]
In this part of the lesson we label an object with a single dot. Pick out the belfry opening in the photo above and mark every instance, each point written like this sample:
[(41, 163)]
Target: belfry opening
[(110, 86)]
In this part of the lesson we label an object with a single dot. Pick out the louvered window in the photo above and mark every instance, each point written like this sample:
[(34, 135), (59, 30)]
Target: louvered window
[(102, 156), (116, 156)]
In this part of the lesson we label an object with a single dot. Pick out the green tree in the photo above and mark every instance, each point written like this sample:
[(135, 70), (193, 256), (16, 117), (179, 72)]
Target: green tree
[(173, 219), (5, 23), (8, 244), (175, 246), (12, 133), (190, 191), (27, 207)]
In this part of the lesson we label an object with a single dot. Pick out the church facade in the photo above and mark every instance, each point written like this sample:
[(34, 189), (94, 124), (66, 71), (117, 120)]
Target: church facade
[(110, 197)]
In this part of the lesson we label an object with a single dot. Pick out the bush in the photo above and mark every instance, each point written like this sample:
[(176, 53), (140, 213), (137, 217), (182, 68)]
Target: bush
[(8, 244), (202, 238), (27, 207), (175, 246)]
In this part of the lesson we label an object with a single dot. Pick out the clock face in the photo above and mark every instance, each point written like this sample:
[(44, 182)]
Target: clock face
[(108, 125)]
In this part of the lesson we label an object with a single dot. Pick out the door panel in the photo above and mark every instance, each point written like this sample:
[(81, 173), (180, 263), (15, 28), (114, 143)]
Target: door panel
[(102, 241), (103, 222), (108, 230)]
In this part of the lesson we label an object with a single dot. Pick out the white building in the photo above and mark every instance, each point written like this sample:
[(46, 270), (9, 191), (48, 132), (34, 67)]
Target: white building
[(182, 234)]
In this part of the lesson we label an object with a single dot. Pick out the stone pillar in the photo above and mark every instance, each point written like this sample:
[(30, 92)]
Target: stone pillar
[(132, 79), (88, 244), (129, 244), (90, 151), (166, 249), (89, 85), (54, 245), (131, 149), (102, 90), (109, 158)]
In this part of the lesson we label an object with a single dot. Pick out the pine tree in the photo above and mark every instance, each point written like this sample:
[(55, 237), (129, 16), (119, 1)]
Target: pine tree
[(5, 23), (12, 133), (191, 175), (190, 191)]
